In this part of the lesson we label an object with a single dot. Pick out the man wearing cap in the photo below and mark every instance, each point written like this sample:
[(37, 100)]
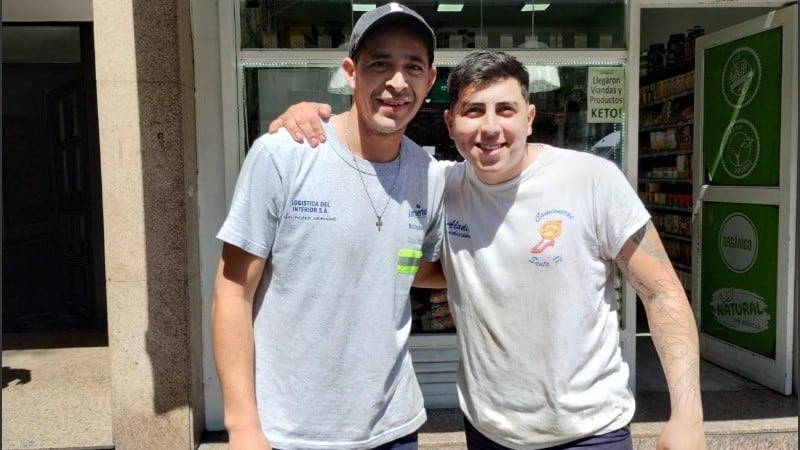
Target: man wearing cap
[(311, 316)]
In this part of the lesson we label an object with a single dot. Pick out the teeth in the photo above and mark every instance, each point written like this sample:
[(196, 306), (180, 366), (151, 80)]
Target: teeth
[(394, 102), (487, 147)]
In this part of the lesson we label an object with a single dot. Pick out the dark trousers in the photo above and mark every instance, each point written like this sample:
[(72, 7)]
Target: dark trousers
[(615, 440), (408, 442)]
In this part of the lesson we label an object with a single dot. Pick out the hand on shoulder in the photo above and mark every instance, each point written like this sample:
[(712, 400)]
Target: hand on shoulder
[(304, 122)]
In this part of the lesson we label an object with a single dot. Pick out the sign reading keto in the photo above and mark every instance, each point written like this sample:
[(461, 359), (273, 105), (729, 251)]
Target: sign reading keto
[(742, 99), (739, 280), (605, 95)]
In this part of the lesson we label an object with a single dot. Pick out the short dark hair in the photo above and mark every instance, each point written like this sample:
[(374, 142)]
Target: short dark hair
[(481, 67)]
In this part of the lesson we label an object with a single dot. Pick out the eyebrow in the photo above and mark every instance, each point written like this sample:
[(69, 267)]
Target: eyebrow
[(481, 104), (381, 54)]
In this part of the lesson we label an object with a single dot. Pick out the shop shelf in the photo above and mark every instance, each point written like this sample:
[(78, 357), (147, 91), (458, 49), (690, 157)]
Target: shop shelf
[(665, 126), (675, 237), (667, 208), (666, 99), (681, 266), (646, 153), (666, 180), (669, 71)]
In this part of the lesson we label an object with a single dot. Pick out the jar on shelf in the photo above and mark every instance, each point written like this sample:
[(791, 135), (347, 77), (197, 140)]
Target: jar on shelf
[(691, 35), (675, 48)]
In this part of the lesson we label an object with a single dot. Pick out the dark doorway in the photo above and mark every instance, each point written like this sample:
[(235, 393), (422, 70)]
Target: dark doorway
[(53, 269)]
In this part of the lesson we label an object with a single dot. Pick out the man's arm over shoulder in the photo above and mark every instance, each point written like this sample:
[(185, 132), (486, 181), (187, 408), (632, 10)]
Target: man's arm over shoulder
[(304, 122), (237, 278), (430, 275), (646, 264)]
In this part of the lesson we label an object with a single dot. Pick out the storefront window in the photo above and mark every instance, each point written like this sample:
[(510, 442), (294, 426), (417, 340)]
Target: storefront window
[(270, 90), (562, 113), (506, 24), (291, 51), (562, 119)]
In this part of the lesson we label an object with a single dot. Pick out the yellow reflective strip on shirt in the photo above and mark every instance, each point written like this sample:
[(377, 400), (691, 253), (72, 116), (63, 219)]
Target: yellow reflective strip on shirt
[(408, 261), (410, 253), (407, 270)]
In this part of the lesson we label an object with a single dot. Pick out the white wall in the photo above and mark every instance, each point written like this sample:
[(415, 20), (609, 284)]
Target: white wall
[(211, 206)]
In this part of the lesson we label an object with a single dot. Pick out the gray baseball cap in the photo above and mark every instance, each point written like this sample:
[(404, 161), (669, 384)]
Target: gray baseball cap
[(392, 14)]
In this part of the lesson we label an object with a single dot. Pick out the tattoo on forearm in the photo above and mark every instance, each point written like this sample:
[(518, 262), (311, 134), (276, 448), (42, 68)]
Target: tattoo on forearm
[(669, 316), (675, 338)]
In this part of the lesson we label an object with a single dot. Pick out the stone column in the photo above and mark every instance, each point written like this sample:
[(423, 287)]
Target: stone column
[(145, 95)]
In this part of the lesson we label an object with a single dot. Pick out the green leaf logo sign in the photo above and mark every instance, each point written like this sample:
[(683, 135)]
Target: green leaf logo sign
[(740, 310)]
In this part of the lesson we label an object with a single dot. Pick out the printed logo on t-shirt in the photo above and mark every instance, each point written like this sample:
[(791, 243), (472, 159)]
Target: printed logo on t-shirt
[(418, 211), (309, 209), (458, 229), (545, 250), (416, 217)]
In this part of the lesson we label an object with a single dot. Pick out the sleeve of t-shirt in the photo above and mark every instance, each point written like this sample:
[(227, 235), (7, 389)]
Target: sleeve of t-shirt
[(434, 234), (620, 212), (256, 205)]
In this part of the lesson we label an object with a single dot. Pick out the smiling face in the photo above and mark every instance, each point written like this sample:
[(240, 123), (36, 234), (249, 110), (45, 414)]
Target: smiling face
[(390, 77), (490, 125)]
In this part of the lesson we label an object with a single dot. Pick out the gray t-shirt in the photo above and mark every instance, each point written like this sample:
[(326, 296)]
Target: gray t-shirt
[(332, 313)]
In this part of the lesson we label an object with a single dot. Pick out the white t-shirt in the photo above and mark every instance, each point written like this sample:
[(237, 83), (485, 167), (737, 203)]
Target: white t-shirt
[(530, 272)]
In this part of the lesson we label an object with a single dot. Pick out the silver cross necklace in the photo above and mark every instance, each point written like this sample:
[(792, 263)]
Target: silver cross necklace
[(378, 217)]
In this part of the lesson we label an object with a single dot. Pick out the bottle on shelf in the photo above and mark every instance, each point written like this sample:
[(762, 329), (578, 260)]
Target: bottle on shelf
[(665, 141), (657, 58), (643, 63)]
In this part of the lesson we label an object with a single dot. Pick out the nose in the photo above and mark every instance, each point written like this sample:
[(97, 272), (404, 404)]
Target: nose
[(490, 126), (397, 81)]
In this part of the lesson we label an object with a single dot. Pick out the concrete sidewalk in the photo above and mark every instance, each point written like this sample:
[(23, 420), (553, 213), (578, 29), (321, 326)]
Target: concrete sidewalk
[(739, 414), (445, 430), (751, 419), (58, 398)]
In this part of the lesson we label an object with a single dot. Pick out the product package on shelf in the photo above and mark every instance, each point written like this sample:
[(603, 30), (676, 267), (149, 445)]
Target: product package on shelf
[(430, 313)]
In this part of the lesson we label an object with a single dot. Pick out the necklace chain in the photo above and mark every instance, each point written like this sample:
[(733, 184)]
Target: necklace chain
[(378, 217)]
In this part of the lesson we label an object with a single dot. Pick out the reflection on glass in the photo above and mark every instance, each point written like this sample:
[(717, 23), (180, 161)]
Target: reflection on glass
[(542, 78), (269, 91), (560, 112), (478, 24), (561, 118), (294, 24), (561, 121), (554, 24)]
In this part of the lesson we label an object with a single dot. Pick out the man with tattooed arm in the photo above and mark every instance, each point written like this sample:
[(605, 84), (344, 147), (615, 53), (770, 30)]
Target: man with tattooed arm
[(534, 235)]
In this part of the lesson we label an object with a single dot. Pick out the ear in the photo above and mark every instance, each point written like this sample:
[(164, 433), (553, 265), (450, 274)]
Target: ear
[(431, 77), (349, 67), (448, 120), (531, 115)]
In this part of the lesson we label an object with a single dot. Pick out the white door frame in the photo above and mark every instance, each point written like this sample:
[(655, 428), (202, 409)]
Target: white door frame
[(774, 373)]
